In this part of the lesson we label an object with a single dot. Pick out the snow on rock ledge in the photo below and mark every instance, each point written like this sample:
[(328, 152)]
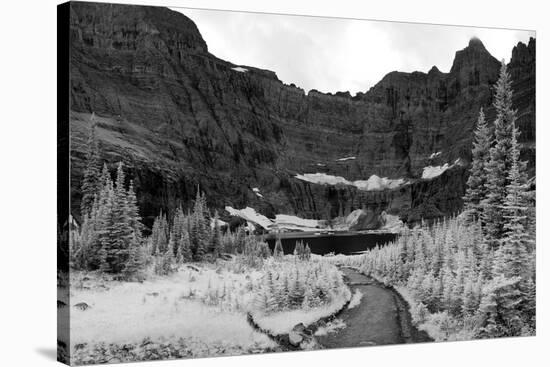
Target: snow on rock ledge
[(374, 183), (293, 222), (346, 159), (240, 69), (250, 215)]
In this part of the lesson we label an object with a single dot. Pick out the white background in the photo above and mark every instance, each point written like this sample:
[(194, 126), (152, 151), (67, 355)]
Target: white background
[(28, 182)]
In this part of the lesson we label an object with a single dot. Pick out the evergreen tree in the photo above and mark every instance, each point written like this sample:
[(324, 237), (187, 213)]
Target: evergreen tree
[(216, 243), (476, 189), (118, 230), (307, 253), (165, 263), (469, 299), (278, 250), (185, 247), (499, 312), (501, 160), (296, 294), (105, 179), (133, 211), (513, 257), (90, 181), (136, 260)]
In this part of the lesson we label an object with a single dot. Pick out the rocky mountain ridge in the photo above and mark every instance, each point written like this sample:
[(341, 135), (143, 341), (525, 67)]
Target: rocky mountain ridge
[(179, 117)]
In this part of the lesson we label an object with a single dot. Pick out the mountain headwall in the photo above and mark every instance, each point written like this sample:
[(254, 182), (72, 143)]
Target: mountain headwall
[(178, 117)]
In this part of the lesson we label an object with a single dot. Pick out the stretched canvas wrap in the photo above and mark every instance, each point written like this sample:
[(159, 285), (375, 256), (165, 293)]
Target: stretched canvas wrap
[(234, 183)]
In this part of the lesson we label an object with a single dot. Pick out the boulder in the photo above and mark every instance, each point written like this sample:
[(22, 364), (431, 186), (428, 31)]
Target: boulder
[(295, 338)]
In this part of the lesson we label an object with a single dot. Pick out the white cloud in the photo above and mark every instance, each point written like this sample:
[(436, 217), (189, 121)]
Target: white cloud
[(331, 54)]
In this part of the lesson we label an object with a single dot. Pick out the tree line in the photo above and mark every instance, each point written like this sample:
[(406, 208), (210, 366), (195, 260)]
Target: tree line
[(110, 238)]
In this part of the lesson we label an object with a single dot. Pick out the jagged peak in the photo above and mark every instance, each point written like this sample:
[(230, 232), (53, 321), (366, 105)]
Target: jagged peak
[(476, 42), (433, 70), (474, 53)]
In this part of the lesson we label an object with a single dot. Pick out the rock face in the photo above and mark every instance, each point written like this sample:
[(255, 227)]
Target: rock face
[(179, 117)]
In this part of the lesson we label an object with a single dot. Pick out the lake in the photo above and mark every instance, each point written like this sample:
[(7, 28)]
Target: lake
[(346, 243)]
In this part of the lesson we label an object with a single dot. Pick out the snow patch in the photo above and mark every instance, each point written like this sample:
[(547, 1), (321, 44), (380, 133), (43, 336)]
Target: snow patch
[(374, 182), (434, 155), (221, 223), (240, 69), (293, 222), (434, 171), (282, 221), (323, 178), (346, 159), (355, 299), (250, 215), (257, 192), (331, 327), (378, 183), (393, 223)]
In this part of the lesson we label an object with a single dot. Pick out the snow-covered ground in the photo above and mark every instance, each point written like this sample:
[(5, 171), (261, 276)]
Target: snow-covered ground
[(208, 305), (204, 305), (283, 322), (374, 183), (240, 69), (323, 293)]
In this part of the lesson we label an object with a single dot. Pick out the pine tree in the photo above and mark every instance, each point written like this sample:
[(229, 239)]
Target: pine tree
[(118, 232), (307, 253), (165, 263), (499, 312), (133, 211), (174, 245), (513, 258), (136, 260), (278, 250), (105, 178), (178, 223), (90, 181), (469, 300), (108, 253), (296, 294), (501, 160), (216, 243), (185, 247), (476, 189)]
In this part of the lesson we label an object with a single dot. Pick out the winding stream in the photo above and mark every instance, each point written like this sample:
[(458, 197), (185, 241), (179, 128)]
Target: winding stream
[(381, 318)]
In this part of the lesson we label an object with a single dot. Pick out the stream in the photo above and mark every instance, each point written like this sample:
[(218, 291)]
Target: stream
[(381, 318)]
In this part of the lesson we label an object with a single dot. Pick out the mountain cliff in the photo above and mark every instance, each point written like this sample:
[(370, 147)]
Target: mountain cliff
[(178, 117)]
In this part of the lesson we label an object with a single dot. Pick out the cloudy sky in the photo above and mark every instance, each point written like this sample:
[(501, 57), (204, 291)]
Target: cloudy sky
[(331, 55)]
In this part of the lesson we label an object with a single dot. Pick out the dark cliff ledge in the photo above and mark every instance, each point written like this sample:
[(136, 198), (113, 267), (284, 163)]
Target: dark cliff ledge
[(178, 116)]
